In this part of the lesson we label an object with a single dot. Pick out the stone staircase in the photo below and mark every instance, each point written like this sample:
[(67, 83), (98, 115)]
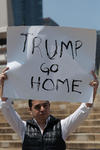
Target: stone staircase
[(85, 137)]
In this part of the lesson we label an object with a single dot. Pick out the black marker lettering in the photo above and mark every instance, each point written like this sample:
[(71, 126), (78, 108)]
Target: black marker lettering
[(54, 68), (44, 69), (78, 44), (66, 46), (38, 83), (36, 44), (75, 85), (23, 34), (63, 82), (46, 82), (55, 51)]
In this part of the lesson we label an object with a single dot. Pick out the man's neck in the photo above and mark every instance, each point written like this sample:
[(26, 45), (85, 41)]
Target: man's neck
[(41, 123)]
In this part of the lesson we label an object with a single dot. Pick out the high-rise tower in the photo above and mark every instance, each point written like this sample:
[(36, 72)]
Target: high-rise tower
[(27, 12)]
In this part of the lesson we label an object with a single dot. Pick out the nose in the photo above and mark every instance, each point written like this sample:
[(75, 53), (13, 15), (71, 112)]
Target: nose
[(42, 108)]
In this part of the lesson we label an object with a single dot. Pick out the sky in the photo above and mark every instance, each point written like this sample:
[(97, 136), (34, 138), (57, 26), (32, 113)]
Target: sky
[(73, 13)]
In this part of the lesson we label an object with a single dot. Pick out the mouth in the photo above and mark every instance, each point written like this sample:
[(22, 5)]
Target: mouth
[(42, 114)]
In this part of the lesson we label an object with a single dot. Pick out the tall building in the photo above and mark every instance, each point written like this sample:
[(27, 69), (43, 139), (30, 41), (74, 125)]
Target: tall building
[(20, 12), (27, 12)]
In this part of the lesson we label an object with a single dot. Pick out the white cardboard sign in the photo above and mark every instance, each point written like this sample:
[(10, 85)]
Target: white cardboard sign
[(50, 63)]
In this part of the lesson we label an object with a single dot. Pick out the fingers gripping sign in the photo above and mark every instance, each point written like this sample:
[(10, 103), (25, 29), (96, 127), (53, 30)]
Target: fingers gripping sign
[(3, 77), (94, 83)]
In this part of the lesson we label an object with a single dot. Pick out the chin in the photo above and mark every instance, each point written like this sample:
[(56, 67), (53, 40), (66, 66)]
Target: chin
[(43, 116)]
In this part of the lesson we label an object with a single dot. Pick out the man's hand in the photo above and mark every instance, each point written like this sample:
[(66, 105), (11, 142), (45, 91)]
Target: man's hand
[(3, 77), (94, 83)]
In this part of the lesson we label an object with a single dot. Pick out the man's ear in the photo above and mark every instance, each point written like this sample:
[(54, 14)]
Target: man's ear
[(30, 111)]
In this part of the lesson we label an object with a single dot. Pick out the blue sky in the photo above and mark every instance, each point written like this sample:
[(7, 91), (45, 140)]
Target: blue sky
[(74, 13)]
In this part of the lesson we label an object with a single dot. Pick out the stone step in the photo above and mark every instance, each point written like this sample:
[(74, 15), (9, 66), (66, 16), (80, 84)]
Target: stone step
[(10, 144), (83, 145), (71, 137), (6, 130), (87, 122), (9, 136), (4, 124), (90, 116), (5, 121), (84, 137), (88, 129), (91, 122)]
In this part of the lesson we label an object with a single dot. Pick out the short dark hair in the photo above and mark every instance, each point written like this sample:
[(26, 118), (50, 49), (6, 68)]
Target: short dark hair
[(30, 103)]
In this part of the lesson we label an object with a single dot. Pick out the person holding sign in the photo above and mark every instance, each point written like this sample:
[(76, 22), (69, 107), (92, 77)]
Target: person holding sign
[(44, 131)]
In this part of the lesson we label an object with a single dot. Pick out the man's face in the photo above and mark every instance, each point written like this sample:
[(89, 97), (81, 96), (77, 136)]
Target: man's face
[(40, 109)]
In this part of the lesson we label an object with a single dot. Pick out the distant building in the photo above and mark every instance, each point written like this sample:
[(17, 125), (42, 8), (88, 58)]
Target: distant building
[(27, 12), (49, 22), (20, 12)]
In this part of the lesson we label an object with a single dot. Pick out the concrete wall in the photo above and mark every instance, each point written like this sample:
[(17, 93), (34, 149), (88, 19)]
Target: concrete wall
[(10, 13), (6, 17), (3, 13)]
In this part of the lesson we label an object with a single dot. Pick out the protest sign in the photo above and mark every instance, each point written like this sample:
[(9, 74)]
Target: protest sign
[(50, 63)]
